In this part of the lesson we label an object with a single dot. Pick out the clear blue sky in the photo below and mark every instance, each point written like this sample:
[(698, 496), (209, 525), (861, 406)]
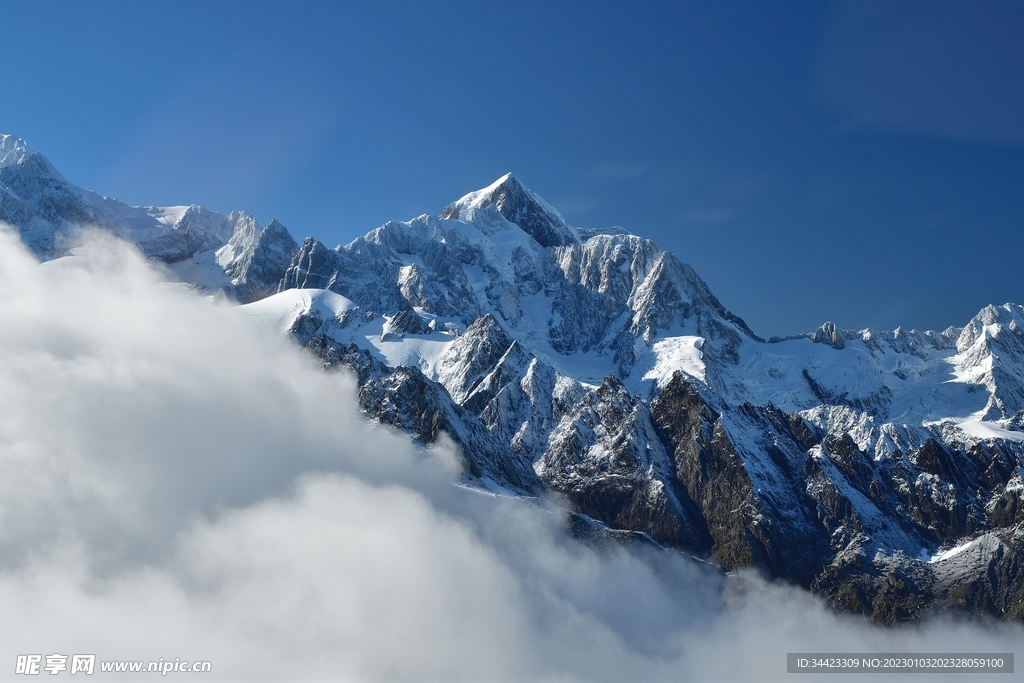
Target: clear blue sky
[(859, 162)]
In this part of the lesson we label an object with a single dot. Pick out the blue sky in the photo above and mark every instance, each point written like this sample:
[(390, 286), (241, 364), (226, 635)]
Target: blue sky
[(855, 162)]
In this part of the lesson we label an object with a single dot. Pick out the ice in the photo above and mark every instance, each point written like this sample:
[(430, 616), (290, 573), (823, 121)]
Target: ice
[(951, 552), (984, 429), (675, 353)]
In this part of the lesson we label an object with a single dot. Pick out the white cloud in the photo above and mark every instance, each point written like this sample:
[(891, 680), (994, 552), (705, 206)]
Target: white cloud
[(175, 483)]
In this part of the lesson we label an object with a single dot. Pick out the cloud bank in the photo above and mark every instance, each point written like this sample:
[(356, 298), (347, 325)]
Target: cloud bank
[(175, 482)]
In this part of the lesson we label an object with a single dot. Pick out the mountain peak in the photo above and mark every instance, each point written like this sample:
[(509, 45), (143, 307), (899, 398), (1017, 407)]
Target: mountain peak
[(829, 334), (13, 150), (518, 205)]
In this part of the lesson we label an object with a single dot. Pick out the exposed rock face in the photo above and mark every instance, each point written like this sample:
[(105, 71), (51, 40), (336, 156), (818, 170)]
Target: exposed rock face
[(404, 398), (256, 260), (884, 470), (606, 459), (992, 345), (752, 498), (371, 270), (828, 334), (981, 576)]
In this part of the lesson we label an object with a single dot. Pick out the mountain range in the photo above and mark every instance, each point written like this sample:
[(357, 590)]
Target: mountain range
[(883, 470)]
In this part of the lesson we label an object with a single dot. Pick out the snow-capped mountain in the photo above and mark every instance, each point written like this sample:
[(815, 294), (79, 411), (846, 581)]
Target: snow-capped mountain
[(834, 459), (205, 248), (882, 469)]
